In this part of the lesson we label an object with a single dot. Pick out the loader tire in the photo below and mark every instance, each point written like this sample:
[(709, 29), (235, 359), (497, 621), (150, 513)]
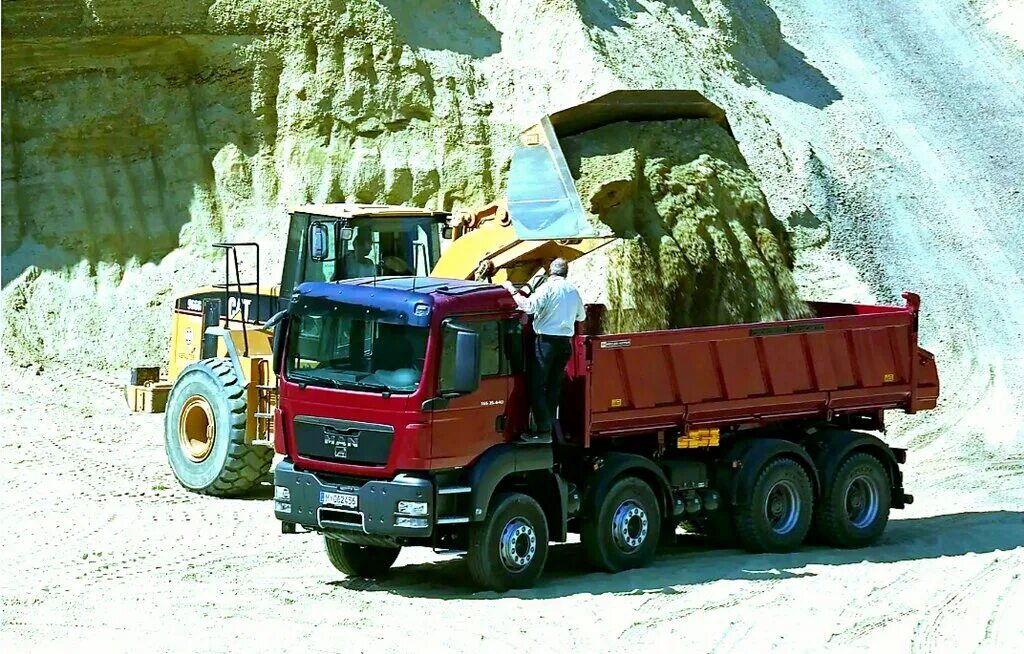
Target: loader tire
[(204, 432)]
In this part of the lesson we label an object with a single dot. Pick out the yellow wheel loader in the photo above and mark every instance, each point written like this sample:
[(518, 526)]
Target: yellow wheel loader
[(219, 412)]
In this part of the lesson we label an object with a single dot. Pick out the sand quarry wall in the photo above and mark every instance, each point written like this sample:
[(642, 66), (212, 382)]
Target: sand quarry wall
[(135, 134)]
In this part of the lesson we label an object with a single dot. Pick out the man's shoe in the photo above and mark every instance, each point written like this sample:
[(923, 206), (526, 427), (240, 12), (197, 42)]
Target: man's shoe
[(536, 438)]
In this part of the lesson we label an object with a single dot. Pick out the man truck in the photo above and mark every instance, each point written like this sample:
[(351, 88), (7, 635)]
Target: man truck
[(400, 400)]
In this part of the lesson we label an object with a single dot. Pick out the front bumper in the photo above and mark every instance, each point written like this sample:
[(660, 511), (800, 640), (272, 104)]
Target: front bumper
[(376, 511)]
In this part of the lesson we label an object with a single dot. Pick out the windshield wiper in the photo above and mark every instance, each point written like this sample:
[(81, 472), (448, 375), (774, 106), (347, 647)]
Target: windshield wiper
[(313, 379)]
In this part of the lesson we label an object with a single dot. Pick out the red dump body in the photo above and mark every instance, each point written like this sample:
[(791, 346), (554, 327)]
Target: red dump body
[(848, 359)]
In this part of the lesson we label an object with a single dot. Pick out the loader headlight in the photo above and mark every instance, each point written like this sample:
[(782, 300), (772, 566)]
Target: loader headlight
[(412, 508)]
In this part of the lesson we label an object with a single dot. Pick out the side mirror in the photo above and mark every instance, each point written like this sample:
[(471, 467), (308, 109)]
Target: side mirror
[(320, 242), (447, 232), (347, 233), (467, 364)]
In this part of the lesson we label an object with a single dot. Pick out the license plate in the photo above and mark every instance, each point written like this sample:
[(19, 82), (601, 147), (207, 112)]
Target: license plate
[(339, 499)]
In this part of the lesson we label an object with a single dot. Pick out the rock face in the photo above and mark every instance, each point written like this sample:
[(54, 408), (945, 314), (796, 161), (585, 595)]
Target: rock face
[(137, 133), (702, 247)]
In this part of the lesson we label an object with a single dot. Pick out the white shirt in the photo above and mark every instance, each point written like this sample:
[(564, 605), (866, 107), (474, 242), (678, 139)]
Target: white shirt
[(556, 307)]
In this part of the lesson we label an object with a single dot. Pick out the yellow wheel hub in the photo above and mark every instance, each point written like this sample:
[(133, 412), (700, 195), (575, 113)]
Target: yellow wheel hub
[(196, 428)]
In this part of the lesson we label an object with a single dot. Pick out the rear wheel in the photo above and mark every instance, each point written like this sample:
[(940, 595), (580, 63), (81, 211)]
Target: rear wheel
[(368, 561), (855, 504), (204, 432), (625, 530), (778, 516), (510, 547)]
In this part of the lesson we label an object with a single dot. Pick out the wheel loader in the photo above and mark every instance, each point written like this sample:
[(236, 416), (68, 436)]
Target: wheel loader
[(220, 409)]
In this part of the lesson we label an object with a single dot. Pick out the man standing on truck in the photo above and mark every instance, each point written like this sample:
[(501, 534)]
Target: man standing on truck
[(556, 307)]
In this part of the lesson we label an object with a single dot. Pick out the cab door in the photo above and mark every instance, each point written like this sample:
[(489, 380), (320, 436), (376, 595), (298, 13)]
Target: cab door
[(469, 424)]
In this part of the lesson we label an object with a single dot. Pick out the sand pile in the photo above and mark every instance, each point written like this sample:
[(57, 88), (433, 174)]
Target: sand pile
[(702, 246)]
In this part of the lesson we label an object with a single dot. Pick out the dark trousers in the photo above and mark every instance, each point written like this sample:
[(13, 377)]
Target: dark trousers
[(545, 372)]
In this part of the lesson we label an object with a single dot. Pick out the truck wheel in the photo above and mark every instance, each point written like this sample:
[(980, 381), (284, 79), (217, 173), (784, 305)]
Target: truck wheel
[(354, 560), (855, 504), (509, 548), (624, 532), (778, 516), (204, 432)]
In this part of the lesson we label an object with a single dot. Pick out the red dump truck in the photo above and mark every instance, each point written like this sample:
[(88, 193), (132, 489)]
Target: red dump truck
[(401, 398)]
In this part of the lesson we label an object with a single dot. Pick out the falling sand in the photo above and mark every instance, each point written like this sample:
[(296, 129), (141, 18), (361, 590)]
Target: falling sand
[(700, 245)]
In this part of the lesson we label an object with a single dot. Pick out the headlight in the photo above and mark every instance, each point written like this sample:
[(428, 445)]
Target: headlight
[(282, 493), (412, 508), (402, 521)]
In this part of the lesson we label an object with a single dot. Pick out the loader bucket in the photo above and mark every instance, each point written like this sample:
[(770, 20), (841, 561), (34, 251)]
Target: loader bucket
[(543, 202)]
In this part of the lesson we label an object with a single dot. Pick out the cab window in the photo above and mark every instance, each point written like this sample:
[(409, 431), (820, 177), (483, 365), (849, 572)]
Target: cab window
[(500, 348)]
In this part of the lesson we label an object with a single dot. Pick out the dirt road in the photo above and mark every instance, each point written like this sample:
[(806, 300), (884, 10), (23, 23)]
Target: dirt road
[(106, 551)]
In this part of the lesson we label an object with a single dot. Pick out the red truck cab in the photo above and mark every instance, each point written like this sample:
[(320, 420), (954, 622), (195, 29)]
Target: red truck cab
[(400, 400)]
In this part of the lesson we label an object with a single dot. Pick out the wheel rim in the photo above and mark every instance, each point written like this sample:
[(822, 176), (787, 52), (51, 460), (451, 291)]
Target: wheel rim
[(782, 507), (629, 526), (517, 545), (862, 501), (196, 428)]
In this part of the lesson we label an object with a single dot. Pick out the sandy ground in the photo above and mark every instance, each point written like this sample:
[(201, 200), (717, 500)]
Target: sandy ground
[(105, 551)]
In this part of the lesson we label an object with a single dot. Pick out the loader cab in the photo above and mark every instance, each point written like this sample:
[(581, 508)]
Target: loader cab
[(329, 243)]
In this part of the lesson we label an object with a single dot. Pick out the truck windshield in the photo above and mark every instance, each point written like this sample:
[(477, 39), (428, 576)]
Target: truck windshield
[(344, 346)]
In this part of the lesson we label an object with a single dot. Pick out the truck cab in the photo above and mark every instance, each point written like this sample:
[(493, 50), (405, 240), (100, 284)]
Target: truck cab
[(390, 391)]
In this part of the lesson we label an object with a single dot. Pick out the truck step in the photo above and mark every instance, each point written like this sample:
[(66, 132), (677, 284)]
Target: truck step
[(452, 520), (452, 490), (451, 552), (262, 441), (263, 414)]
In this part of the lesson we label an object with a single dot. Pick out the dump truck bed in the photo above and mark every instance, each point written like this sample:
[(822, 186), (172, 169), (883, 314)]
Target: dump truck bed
[(847, 360)]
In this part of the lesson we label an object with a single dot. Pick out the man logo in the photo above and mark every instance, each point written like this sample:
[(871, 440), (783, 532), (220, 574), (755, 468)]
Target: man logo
[(341, 441)]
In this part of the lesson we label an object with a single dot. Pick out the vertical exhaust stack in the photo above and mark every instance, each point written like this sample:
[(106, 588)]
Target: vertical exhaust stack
[(543, 203)]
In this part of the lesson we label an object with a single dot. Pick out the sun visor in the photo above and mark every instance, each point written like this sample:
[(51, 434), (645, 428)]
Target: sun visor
[(543, 203)]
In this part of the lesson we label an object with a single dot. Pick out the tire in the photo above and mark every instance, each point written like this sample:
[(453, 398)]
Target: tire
[(510, 547), (204, 432), (854, 507), (778, 516), (625, 530), (368, 561)]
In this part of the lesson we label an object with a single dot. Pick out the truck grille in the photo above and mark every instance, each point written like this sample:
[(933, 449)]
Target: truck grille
[(343, 441)]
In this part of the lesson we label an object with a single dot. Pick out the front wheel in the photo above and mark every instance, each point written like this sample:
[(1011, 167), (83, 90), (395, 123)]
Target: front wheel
[(367, 561), (778, 516), (625, 530), (509, 548), (855, 503)]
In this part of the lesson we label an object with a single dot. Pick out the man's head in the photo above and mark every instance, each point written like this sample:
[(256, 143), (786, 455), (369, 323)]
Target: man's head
[(363, 243), (559, 267)]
